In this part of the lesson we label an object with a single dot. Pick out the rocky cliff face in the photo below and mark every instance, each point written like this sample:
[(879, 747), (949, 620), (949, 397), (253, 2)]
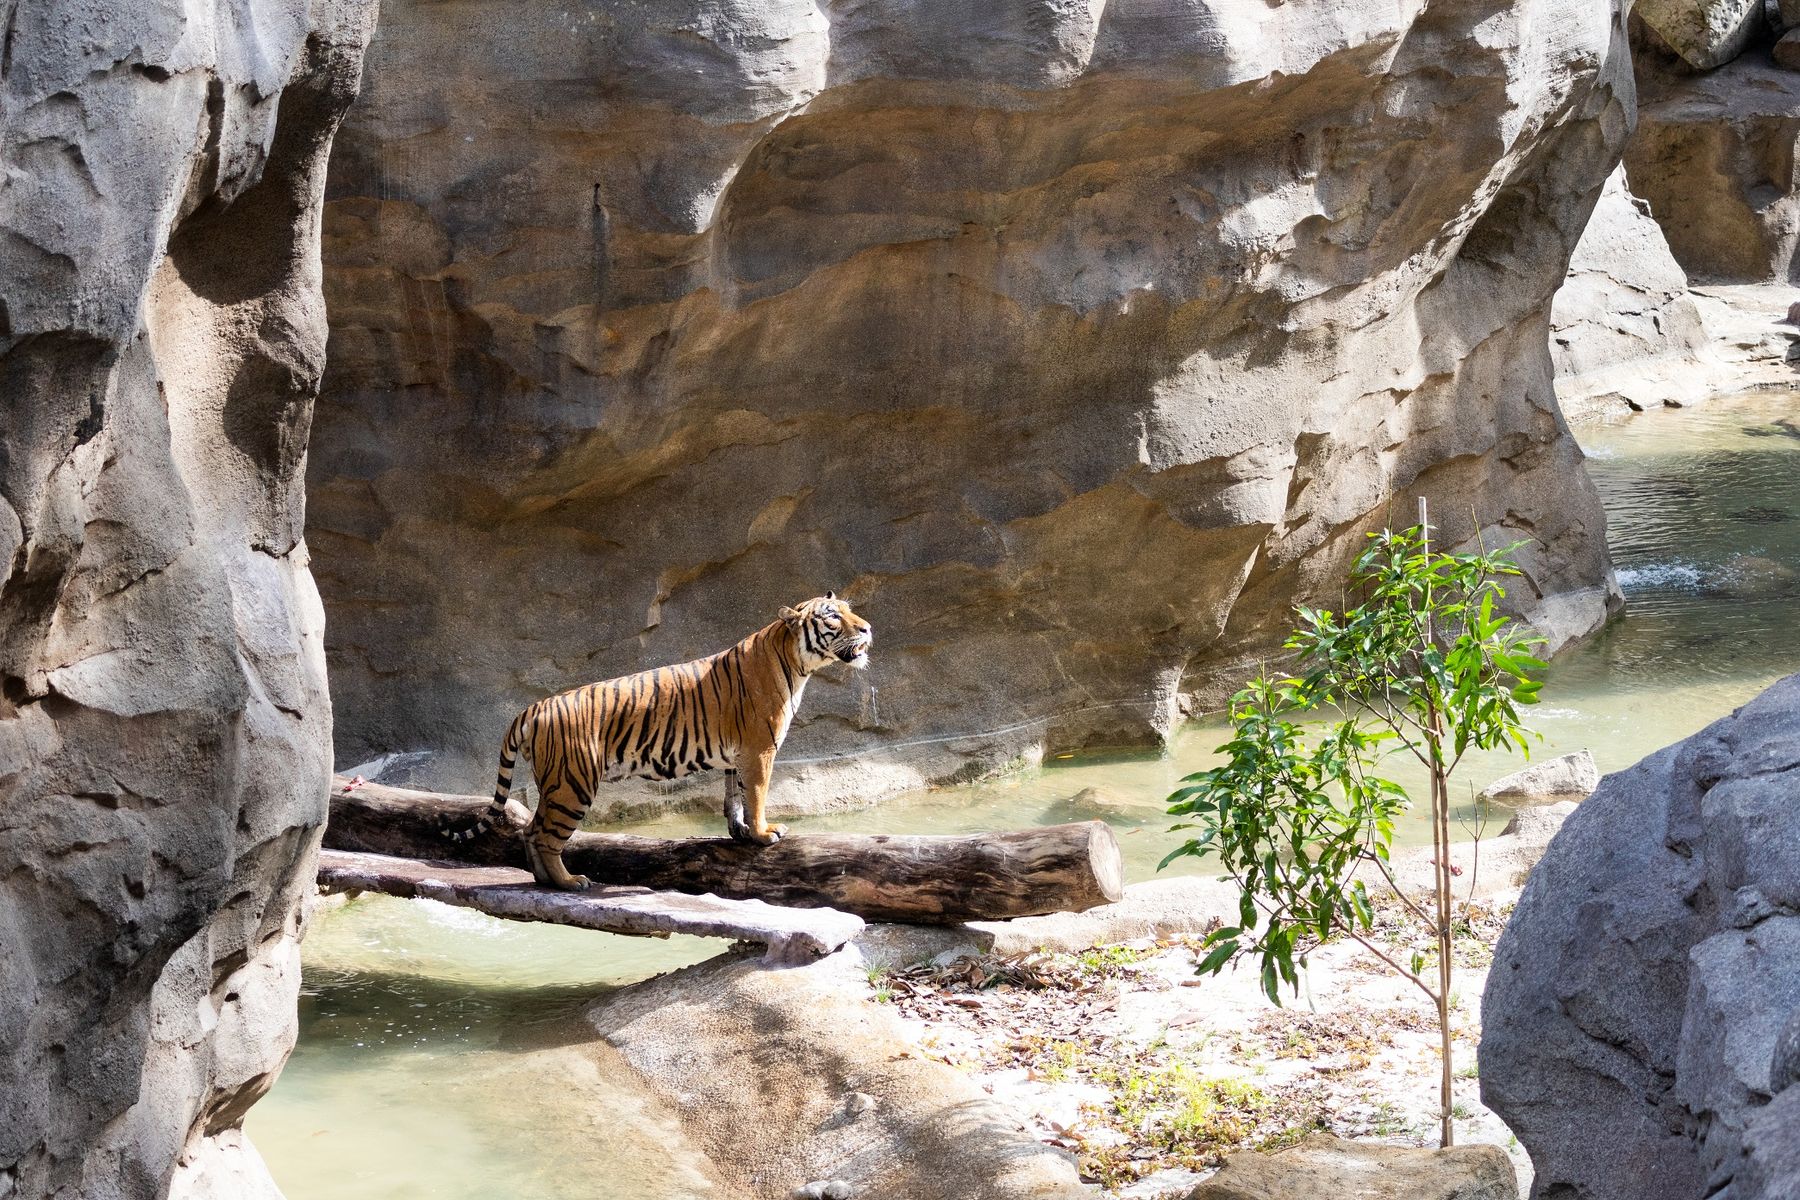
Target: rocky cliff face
[(1624, 330), (1642, 1017), (164, 728), (1076, 341)]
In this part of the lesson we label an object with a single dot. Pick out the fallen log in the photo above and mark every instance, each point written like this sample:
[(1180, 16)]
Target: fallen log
[(912, 879), (791, 935)]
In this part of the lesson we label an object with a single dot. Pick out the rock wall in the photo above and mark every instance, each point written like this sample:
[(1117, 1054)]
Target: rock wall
[(1075, 341), (1715, 154), (1624, 331), (1642, 1018), (164, 727)]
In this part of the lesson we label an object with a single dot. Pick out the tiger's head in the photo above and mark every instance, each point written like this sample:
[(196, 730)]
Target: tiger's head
[(827, 631)]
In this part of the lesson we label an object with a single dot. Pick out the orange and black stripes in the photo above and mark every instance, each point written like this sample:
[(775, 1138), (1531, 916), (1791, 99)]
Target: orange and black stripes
[(729, 710)]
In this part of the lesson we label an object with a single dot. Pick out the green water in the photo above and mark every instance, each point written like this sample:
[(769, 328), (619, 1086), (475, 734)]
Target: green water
[(432, 1039)]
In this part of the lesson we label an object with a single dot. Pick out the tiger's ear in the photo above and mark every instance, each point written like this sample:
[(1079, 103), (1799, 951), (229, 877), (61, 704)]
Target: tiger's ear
[(790, 615), (831, 595)]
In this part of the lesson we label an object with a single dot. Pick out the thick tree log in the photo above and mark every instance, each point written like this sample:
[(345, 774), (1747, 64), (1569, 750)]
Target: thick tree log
[(914, 879), (792, 935)]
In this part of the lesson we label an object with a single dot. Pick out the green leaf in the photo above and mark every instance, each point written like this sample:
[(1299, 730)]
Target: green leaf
[(1215, 962)]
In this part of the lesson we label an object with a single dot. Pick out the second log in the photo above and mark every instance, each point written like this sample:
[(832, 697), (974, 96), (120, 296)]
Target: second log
[(911, 879)]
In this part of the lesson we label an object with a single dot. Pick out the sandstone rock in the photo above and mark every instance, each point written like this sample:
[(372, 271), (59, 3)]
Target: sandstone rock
[(1706, 156), (1786, 51), (1077, 342), (763, 1066), (1649, 975), (1566, 777), (1703, 34), (164, 727), (1327, 1166), (1624, 331), (1538, 824)]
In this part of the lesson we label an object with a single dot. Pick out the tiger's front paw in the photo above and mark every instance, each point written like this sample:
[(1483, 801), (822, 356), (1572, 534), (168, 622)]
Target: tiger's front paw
[(769, 836), (576, 883)]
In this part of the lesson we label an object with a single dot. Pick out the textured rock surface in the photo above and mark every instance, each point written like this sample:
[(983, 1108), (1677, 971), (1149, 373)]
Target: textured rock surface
[(787, 1078), (1076, 341), (1324, 1165), (1786, 52), (1624, 331), (1702, 34), (1714, 155), (1649, 976), (1566, 777), (164, 729)]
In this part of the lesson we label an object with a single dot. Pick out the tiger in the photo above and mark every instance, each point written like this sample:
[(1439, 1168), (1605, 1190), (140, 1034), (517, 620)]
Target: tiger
[(730, 710)]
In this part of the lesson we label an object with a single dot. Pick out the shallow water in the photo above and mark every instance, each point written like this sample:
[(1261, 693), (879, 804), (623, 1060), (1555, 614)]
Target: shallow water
[(443, 1054), (432, 1039)]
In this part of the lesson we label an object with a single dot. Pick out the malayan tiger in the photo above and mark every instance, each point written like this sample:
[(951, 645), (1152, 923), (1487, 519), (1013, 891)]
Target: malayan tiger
[(729, 710)]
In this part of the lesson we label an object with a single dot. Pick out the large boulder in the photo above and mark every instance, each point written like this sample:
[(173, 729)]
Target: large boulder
[(1076, 341), (1327, 1166), (1565, 777), (1711, 156), (1700, 34), (1643, 1009), (164, 727), (1624, 331)]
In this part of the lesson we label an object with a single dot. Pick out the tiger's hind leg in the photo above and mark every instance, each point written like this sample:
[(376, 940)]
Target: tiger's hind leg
[(559, 812), (734, 806)]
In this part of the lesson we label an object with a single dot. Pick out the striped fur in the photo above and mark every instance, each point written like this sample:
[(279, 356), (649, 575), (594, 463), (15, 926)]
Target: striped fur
[(729, 711)]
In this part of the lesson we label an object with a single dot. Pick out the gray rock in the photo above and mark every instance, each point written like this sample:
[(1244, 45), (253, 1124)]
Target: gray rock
[(1327, 1166), (1538, 824), (1566, 777), (1649, 980), (1624, 331), (758, 1062), (164, 727), (1075, 344)]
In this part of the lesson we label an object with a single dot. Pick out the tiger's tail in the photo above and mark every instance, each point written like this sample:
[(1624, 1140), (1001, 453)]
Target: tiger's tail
[(494, 814)]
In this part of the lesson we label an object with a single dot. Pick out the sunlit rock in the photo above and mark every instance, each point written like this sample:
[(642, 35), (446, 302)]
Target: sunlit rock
[(1077, 342)]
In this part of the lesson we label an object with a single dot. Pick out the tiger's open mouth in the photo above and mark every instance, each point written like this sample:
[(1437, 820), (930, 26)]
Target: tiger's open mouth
[(856, 656)]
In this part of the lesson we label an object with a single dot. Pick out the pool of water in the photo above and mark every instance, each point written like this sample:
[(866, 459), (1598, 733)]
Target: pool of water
[(436, 1044), (442, 1054)]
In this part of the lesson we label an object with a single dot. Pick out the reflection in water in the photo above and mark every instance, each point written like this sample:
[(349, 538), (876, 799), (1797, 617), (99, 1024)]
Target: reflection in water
[(433, 1040)]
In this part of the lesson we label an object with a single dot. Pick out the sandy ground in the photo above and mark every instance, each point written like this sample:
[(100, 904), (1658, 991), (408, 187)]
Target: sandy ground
[(1151, 1074)]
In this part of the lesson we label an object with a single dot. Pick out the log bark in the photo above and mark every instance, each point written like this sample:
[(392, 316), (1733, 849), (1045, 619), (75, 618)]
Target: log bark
[(911, 879), (791, 935)]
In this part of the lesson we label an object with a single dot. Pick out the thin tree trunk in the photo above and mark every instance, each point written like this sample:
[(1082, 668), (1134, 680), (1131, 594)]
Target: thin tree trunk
[(1440, 841), (1440, 805)]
